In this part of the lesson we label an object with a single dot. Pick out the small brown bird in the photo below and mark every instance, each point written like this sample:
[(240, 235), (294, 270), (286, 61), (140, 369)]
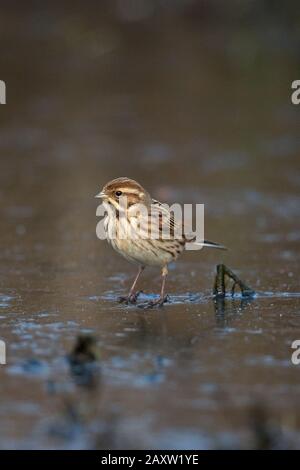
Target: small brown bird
[(128, 228)]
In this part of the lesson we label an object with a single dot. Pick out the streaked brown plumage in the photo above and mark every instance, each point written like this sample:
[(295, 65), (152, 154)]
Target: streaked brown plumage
[(138, 247)]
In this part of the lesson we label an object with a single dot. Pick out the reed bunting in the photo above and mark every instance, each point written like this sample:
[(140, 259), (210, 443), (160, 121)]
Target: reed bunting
[(131, 219)]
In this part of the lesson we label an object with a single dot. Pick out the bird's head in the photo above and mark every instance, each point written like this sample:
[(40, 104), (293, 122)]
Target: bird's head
[(124, 191)]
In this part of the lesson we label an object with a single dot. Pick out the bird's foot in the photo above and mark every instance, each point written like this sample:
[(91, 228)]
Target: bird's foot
[(129, 299), (155, 303)]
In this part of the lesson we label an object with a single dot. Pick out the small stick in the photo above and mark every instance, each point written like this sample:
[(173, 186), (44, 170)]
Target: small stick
[(220, 287)]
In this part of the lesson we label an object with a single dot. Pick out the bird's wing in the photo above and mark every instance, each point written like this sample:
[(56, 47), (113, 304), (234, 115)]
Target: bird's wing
[(167, 225)]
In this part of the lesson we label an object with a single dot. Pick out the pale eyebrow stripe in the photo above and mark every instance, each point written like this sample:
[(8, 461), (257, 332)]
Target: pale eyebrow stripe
[(131, 191)]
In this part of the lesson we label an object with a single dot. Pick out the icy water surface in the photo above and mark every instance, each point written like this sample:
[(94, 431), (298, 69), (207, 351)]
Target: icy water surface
[(89, 100)]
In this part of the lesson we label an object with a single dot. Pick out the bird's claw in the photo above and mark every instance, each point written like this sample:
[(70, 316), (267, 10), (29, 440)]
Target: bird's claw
[(155, 303), (129, 299)]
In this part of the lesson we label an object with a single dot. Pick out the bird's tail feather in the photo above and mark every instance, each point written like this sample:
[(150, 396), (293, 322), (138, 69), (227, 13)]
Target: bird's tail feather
[(208, 244)]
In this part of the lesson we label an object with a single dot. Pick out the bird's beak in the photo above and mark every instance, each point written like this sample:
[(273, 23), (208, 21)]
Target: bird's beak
[(101, 195)]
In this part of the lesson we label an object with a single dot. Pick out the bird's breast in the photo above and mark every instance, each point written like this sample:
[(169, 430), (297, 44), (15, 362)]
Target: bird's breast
[(129, 237)]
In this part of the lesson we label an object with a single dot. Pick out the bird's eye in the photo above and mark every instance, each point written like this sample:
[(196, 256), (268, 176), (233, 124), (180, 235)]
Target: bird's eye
[(118, 193)]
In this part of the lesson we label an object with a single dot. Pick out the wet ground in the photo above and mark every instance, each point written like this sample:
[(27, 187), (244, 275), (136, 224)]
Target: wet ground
[(176, 104)]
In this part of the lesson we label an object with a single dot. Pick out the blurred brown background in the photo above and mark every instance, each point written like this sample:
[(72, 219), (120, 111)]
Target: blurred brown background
[(192, 99)]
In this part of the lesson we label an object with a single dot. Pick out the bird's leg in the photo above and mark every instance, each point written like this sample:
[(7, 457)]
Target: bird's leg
[(162, 298), (132, 296)]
